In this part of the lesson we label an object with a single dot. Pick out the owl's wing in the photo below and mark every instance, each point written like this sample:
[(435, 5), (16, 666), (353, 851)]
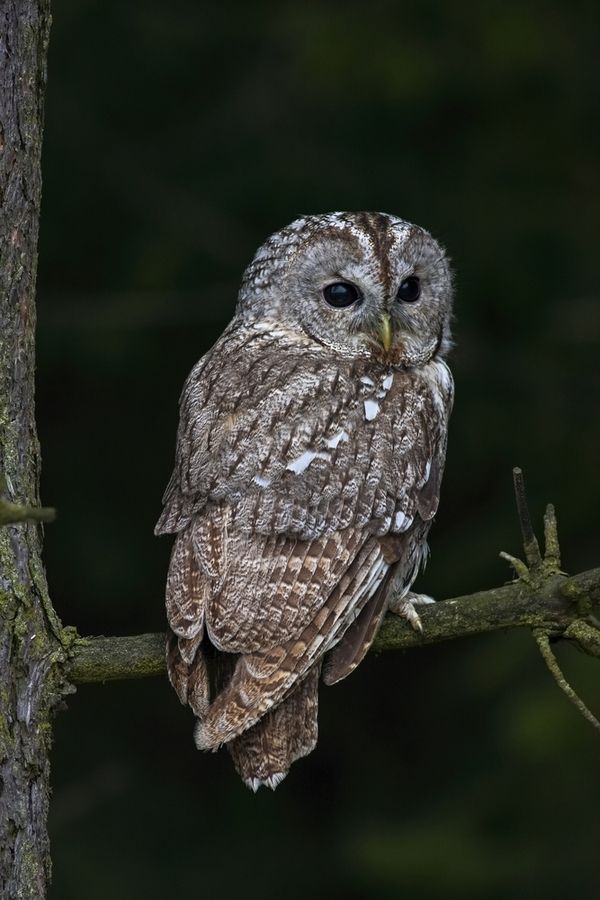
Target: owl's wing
[(264, 678)]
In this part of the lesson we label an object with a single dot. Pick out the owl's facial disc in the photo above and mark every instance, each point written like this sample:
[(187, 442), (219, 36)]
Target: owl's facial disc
[(361, 284)]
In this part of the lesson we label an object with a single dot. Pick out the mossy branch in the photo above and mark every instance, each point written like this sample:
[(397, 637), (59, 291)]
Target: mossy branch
[(12, 513), (551, 607), (114, 658)]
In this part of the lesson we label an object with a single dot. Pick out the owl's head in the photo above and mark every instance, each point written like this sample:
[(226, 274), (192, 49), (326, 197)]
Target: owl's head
[(362, 284)]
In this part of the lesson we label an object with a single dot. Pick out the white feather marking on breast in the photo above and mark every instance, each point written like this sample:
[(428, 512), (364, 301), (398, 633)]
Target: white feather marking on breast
[(366, 380), (260, 481), (371, 409), (303, 461), (401, 521), (337, 439), (387, 381)]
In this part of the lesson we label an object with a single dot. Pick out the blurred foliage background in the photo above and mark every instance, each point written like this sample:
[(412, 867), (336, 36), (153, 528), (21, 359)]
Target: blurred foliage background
[(178, 136)]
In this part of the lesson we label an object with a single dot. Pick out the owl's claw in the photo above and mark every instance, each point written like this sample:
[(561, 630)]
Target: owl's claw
[(405, 608)]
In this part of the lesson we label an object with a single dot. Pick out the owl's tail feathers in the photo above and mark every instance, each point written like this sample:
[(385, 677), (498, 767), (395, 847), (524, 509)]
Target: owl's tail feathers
[(263, 754), (188, 671)]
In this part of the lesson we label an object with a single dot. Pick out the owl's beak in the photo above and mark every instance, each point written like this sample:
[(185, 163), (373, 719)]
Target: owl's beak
[(386, 332)]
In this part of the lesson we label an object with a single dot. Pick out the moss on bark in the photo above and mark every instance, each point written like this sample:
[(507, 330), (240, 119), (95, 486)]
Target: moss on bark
[(30, 652)]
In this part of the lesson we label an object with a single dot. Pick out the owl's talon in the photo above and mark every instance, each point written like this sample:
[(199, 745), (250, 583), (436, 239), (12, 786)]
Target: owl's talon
[(405, 608)]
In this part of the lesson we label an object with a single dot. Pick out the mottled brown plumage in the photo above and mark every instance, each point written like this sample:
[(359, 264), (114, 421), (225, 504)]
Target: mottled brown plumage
[(309, 458)]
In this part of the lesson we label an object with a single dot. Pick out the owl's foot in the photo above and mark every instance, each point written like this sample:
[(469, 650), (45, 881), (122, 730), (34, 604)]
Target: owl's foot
[(405, 608)]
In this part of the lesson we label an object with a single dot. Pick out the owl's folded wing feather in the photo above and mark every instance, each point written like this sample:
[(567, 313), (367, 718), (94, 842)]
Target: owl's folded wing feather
[(278, 602), (262, 679)]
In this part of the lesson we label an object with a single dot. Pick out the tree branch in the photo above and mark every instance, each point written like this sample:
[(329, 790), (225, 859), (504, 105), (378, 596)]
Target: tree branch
[(553, 606), (12, 513), (549, 658), (113, 658)]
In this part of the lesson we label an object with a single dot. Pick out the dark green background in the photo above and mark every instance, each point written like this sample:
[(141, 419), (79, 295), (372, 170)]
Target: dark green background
[(178, 136)]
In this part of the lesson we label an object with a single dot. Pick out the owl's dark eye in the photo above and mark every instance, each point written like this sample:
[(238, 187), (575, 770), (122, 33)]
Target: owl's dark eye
[(409, 290), (341, 293)]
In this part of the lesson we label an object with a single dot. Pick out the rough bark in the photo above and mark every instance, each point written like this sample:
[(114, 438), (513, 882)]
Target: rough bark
[(29, 643)]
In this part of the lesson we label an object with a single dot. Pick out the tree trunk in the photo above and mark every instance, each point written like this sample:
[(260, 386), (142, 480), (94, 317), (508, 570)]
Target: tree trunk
[(30, 645)]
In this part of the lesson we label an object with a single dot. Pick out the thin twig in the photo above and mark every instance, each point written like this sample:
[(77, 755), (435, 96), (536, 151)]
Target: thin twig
[(549, 658), (530, 543), (521, 570), (551, 544)]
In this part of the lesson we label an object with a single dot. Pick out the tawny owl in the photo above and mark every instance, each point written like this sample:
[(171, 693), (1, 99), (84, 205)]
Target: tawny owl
[(310, 450)]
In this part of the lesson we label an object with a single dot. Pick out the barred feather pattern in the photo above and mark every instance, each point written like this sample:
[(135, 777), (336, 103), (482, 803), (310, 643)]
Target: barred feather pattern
[(307, 474), (263, 753)]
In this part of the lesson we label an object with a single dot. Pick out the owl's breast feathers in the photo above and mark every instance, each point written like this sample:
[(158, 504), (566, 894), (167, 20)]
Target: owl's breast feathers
[(302, 482), (300, 442)]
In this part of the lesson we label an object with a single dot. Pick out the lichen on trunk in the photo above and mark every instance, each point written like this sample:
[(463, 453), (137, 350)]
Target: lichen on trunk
[(30, 645)]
